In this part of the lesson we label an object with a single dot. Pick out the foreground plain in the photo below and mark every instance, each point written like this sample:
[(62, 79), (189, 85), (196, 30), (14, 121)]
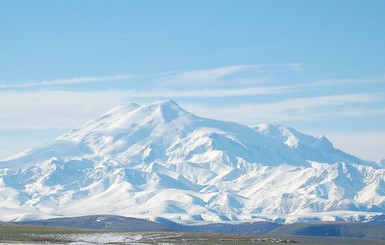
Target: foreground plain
[(56, 235)]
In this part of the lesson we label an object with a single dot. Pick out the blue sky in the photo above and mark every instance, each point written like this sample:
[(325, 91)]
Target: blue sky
[(317, 66)]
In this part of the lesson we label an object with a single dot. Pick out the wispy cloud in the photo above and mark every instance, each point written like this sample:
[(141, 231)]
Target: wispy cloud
[(321, 101), (343, 81), (297, 109), (212, 74), (215, 80), (295, 66), (237, 75), (69, 81), (208, 93)]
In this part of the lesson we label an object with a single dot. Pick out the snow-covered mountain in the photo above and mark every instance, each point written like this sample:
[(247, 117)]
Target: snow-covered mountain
[(160, 161)]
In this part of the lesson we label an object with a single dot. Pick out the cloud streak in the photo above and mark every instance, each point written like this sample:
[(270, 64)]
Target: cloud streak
[(237, 75), (297, 109), (69, 81), (209, 75), (209, 93), (234, 80), (345, 81), (229, 81)]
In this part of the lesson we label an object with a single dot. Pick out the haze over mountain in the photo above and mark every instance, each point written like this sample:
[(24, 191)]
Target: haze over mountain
[(160, 161)]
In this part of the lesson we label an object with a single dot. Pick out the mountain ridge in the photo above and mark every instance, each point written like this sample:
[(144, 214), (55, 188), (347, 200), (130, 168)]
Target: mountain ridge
[(161, 161)]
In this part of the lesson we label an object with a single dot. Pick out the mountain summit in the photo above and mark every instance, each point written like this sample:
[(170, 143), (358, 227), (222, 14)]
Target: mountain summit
[(160, 161)]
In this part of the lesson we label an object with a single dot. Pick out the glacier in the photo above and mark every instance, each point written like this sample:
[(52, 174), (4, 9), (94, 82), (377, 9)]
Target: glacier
[(160, 161)]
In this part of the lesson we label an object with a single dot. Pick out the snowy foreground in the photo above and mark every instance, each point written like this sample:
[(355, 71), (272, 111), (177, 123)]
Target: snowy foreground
[(160, 161), (147, 238), (98, 238)]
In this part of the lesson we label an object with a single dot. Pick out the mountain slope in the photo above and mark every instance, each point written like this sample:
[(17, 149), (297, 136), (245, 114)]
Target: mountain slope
[(318, 149), (160, 161)]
